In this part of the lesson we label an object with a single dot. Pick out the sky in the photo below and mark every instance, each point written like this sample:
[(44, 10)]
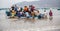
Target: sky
[(7, 3), (16, 1)]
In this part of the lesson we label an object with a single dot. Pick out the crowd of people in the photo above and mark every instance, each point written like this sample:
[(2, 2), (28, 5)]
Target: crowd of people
[(27, 11)]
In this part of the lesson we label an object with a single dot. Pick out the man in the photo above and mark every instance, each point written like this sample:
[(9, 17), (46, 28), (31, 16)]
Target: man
[(32, 7), (26, 9)]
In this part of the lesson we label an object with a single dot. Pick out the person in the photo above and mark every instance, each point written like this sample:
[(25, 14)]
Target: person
[(21, 9), (20, 14), (10, 10), (18, 9), (37, 14), (17, 12), (45, 14), (32, 7), (50, 15), (27, 15), (13, 14), (12, 7), (26, 9), (33, 16), (8, 13), (32, 13), (15, 8)]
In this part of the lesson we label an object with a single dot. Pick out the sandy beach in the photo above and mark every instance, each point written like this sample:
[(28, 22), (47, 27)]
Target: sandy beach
[(39, 25)]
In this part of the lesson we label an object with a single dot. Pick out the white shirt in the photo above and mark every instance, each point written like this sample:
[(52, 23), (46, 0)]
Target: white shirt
[(36, 13), (45, 13), (21, 13), (18, 9), (27, 14)]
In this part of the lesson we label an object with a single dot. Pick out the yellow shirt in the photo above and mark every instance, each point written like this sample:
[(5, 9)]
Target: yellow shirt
[(13, 13)]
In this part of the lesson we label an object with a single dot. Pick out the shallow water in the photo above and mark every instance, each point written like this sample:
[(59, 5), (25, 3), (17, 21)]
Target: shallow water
[(41, 25)]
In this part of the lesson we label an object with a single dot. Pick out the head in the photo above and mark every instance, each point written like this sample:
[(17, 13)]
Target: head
[(44, 10), (38, 11), (25, 6), (30, 5), (15, 5), (50, 11)]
